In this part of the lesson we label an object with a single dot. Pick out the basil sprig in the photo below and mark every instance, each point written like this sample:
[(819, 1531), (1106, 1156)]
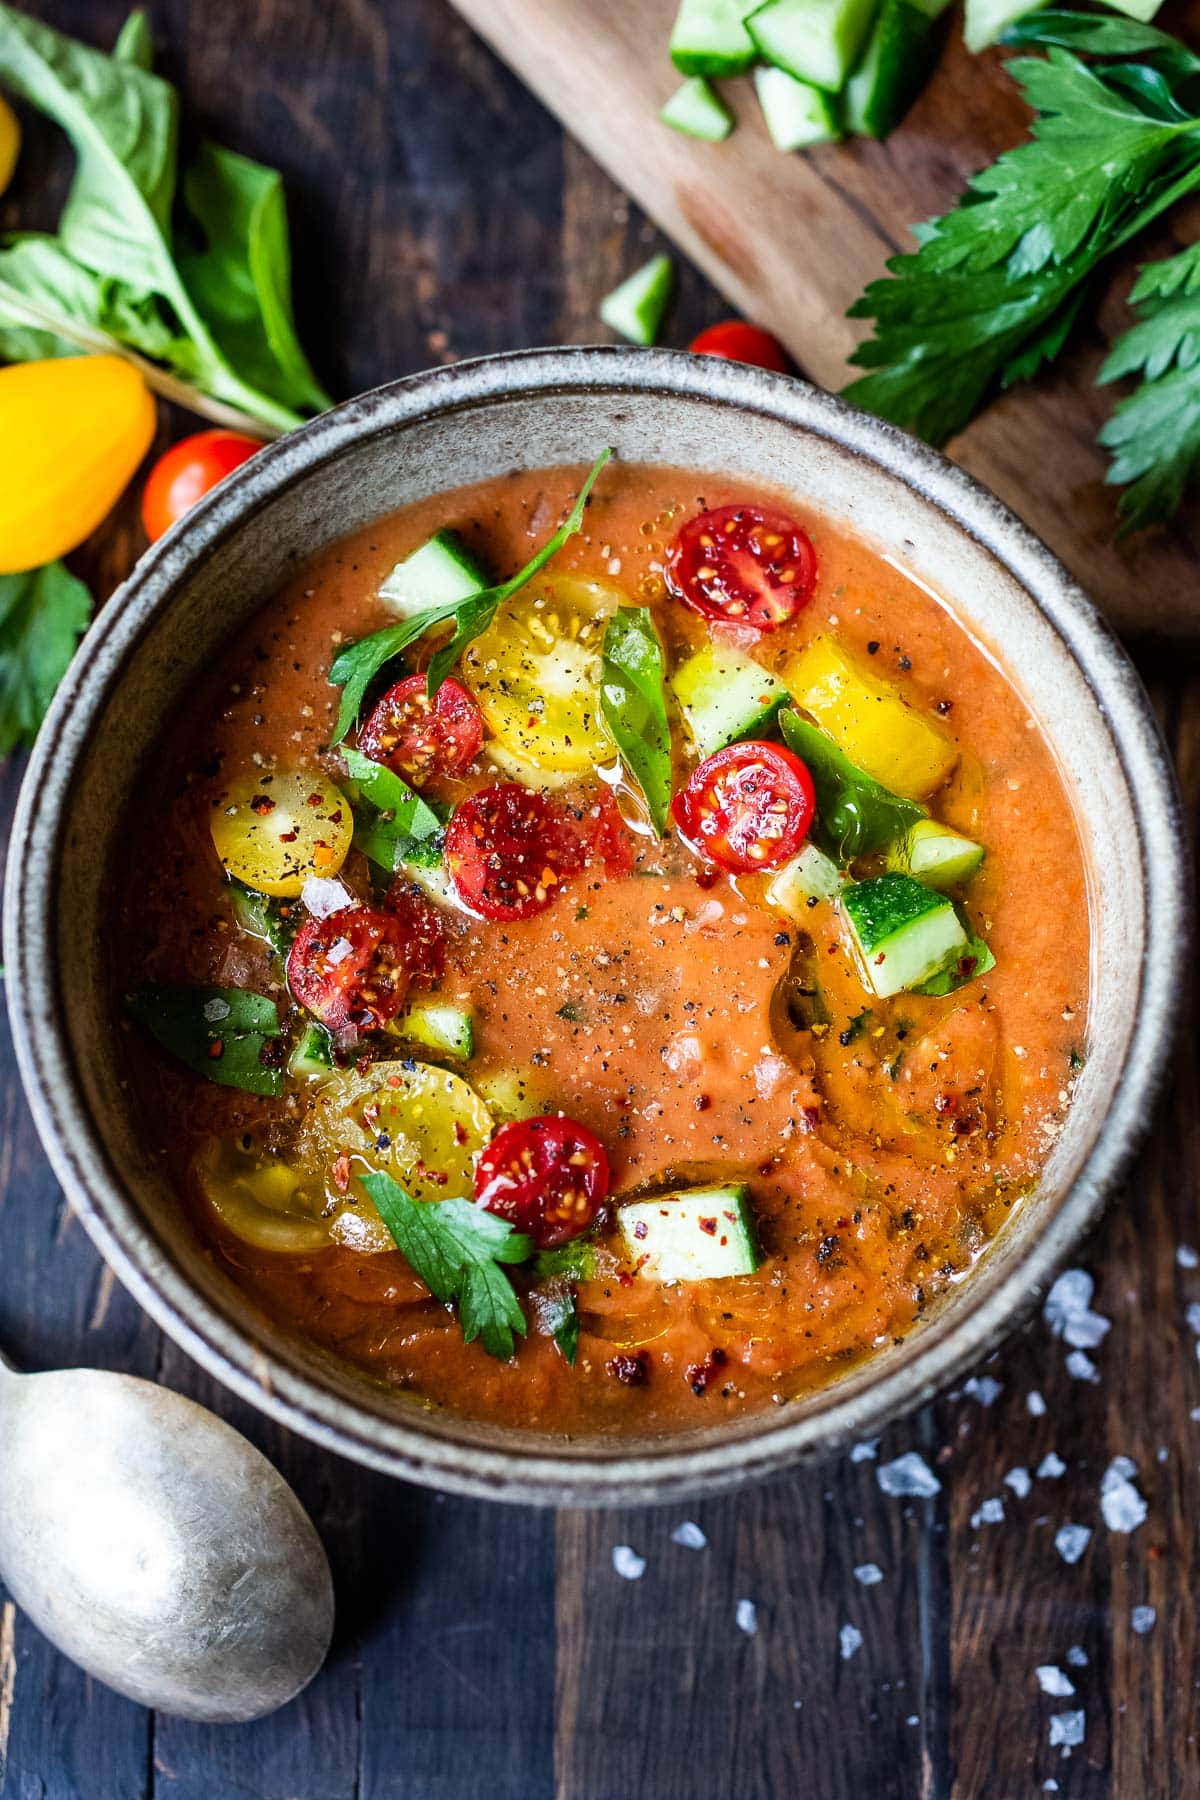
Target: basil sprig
[(219, 1032), (355, 667), (457, 1249), (855, 813), (398, 815), (633, 701)]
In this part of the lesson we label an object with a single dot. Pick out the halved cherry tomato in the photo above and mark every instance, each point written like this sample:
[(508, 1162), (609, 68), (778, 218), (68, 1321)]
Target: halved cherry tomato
[(739, 342), (548, 1176), (508, 849), (418, 737), (350, 968), (747, 807), (422, 927), (610, 840), (744, 565), (186, 472)]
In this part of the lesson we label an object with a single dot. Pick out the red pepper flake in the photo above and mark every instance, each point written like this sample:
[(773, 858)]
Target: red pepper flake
[(216, 1050), (700, 1375), (810, 1118), (945, 1103), (708, 1225), (341, 1172), (262, 804), (631, 1369), (703, 1102), (640, 1228), (460, 1132)]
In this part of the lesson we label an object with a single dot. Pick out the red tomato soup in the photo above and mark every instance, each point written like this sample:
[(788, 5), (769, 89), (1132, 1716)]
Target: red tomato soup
[(652, 1023)]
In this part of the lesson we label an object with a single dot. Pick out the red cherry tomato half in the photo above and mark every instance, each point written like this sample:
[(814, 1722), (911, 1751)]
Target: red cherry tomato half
[(508, 849), (350, 968), (739, 342), (186, 472), (747, 807), (422, 927), (548, 1177), (743, 565), (418, 737)]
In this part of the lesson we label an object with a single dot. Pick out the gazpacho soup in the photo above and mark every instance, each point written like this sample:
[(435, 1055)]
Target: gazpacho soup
[(586, 957)]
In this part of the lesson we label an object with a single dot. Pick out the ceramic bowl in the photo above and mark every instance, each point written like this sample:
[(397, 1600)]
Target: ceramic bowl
[(456, 425)]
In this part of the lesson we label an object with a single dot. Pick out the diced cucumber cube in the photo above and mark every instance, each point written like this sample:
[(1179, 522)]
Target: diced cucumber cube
[(814, 40), (312, 1057), (904, 933), (724, 696), (441, 571), (891, 71), (985, 20), (975, 960), (811, 875), (710, 37), (934, 854), (437, 1025), (698, 112), (698, 1236), (635, 309), (797, 114), (433, 878)]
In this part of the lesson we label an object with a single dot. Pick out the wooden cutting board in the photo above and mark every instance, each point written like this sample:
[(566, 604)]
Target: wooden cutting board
[(792, 240)]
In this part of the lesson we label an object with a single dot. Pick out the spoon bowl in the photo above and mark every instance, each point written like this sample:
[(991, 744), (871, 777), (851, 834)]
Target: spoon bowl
[(156, 1547)]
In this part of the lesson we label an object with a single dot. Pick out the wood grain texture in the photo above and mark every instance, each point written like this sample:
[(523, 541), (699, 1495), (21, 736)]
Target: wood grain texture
[(489, 1654), (792, 241)]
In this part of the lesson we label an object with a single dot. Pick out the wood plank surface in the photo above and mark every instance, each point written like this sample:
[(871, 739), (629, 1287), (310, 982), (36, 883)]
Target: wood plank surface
[(490, 1654), (791, 241)]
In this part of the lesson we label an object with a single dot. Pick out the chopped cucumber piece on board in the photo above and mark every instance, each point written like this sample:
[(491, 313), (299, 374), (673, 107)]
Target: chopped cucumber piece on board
[(985, 20), (814, 40), (698, 1236), (698, 112), (636, 308), (441, 571), (934, 854), (438, 1025), (710, 37), (811, 875), (891, 70), (724, 696), (797, 114), (313, 1055), (905, 934)]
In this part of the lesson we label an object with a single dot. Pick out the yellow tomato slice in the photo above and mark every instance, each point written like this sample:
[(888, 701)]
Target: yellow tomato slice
[(536, 674), (272, 832), (263, 1200), (870, 720)]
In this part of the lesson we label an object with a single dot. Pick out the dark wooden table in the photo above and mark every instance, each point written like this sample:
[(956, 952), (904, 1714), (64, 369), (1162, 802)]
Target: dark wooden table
[(481, 1651)]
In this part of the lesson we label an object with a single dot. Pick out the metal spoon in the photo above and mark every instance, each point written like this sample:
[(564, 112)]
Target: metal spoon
[(156, 1547)]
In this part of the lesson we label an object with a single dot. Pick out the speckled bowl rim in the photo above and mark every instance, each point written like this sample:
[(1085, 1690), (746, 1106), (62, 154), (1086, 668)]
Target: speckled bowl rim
[(566, 1473)]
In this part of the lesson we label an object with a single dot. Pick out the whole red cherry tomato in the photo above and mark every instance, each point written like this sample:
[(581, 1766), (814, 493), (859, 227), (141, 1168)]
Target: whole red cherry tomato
[(350, 967), (420, 738), (746, 807), (187, 471), (744, 565), (509, 848), (739, 342), (548, 1177)]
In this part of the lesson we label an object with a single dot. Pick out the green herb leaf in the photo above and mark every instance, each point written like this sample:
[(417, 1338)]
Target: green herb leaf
[(134, 43), (560, 1311), (1154, 434), (399, 817), (43, 612), (576, 1261), (975, 960), (218, 1032), (994, 287), (855, 814), (455, 1247), (633, 701), (275, 921), (355, 667)]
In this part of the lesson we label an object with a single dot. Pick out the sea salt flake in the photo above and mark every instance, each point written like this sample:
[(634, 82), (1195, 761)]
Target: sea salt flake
[(909, 1476), (747, 1617), (1086, 1330), (1052, 1681), (1081, 1367), (1051, 1467), (1192, 1315), (869, 1574), (991, 1512), (1142, 1619), (689, 1535), (983, 1388), (1035, 1406), (1068, 1728), (1123, 1507), (1071, 1541), (627, 1562), (1187, 1258), (1049, 1786), (1077, 1656), (1070, 1296), (864, 1452), (1019, 1480), (215, 1010), (849, 1641)]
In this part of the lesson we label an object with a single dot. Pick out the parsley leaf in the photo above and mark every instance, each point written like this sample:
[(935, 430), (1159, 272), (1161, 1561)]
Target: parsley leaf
[(560, 1312), (220, 1033), (355, 667), (456, 1249), (1155, 433), (42, 615), (635, 708), (993, 289)]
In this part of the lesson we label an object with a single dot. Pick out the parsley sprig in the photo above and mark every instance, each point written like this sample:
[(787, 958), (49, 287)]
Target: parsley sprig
[(457, 1249), (994, 287), (1155, 433)]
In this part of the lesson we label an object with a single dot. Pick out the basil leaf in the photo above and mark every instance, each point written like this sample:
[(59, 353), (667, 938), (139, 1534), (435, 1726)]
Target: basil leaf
[(635, 708), (560, 1311), (50, 305), (134, 43), (42, 614), (855, 814), (242, 281), (218, 1032), (355, 667), (455, 1247), (975, 960), (401, 818)]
